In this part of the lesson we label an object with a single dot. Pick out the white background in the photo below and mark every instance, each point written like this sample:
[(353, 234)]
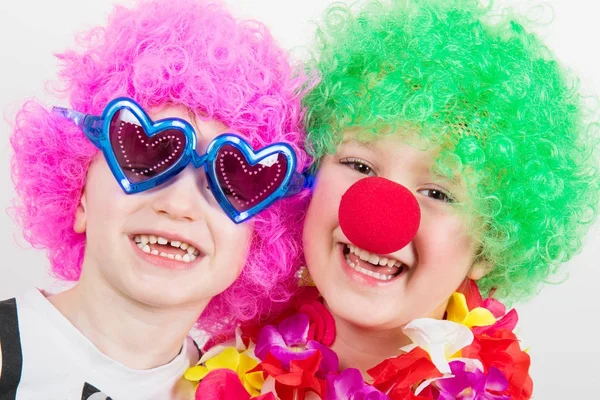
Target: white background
[(560, 326)]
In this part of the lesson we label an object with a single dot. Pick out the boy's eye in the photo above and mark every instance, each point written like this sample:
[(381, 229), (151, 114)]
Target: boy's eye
[(360, 166), (437, 194)]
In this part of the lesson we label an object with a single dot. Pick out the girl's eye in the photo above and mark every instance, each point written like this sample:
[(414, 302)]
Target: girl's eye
[(360, 166), (437, 194)]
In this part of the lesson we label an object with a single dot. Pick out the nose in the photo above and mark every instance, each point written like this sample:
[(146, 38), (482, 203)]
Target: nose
[(182, 198), (379, 215)]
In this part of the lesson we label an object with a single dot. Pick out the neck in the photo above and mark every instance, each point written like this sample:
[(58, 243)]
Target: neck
[(364, 348), (136, 335)]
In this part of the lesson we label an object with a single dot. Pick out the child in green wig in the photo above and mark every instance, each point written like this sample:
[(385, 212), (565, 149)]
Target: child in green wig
[(472, 114)]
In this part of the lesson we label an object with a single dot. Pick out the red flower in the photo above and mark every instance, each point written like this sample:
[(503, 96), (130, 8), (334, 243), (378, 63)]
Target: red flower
[(471, 291), (399, 376), (322, 324), (430, 392), (501, 349), (225, 384), (300, 378), (309, 302)]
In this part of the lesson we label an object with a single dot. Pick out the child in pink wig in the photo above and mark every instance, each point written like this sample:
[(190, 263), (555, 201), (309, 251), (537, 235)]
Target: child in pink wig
[(165, 244)]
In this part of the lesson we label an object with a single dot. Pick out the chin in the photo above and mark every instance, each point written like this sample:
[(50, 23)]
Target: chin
[(364, 317), (369, 323), (162, 295)]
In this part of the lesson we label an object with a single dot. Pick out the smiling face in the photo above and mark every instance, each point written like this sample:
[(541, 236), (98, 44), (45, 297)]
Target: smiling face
[(172, 245), (385, 291)]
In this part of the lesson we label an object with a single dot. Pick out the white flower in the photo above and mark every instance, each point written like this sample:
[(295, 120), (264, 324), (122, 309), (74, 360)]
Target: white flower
[(440, 338)]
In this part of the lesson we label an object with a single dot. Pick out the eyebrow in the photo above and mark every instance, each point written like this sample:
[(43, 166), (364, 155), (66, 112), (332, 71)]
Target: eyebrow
[(364, 144)]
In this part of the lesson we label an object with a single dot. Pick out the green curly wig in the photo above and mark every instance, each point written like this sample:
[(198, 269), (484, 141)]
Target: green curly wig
[(491, 96)]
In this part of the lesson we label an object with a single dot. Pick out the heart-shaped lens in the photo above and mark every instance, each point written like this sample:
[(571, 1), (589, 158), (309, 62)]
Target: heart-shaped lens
[(142, 157), (247, 185)]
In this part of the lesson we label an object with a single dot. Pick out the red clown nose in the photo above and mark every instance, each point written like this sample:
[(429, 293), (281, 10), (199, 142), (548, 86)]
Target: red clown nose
[(379, 216)]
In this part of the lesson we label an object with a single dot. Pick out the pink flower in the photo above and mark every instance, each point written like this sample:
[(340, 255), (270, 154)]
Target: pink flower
[(289, 341), (472, 385), (349, 385)]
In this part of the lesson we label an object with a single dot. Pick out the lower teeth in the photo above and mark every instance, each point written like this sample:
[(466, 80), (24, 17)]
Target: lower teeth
[(185, 258), (367, 272)]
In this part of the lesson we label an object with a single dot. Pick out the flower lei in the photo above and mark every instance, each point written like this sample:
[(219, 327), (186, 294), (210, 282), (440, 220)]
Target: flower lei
[(472, 354)]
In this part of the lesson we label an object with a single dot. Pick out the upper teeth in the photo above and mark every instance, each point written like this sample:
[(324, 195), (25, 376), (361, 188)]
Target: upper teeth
[(373, 258), (143, 242)]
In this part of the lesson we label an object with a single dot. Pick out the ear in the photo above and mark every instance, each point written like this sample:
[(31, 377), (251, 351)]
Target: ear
[(480, 268), (80, 223)]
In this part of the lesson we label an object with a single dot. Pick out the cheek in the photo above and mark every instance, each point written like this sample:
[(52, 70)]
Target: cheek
[(446, 246), (232, 244), (321, 226), (322, 214), (318, 215), (100, 186)]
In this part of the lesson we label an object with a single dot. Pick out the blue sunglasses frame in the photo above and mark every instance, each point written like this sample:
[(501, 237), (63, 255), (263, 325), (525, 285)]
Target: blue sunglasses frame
[(96, 129)]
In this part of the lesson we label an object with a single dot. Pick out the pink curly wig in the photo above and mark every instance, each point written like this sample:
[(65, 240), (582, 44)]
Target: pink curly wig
[(185, 52)]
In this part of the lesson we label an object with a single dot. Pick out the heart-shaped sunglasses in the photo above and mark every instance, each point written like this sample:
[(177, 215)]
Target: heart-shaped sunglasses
[(142, 154)]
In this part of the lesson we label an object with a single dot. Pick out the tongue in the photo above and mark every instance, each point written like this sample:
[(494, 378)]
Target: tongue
[(382, 269)]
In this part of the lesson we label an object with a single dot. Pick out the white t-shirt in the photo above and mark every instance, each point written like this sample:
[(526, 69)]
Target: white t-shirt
[(57, 362)]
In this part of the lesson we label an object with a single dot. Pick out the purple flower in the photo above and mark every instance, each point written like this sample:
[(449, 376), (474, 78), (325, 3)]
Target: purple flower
[(349, 385), (289, 341), (472, 385)]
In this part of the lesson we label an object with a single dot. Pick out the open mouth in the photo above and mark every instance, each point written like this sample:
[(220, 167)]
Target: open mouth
[(167, 248), (373, 265)]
